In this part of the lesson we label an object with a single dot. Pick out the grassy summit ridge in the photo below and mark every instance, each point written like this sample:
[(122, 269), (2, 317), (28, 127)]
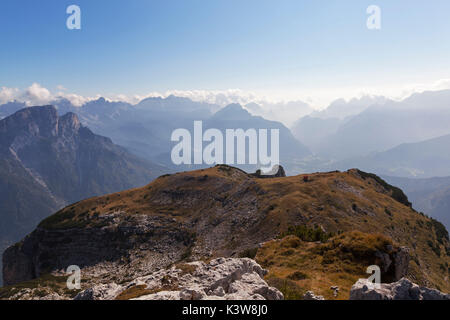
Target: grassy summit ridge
[(223, 211)]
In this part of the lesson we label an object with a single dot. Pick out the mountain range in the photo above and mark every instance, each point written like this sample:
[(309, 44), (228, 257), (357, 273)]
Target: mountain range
[(424, 159), (345, 130), (48, 161), (380, 126), (145, 129)]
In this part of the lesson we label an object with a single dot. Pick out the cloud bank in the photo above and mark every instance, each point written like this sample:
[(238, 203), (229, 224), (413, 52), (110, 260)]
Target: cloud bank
[(39, 95), (286, 110)]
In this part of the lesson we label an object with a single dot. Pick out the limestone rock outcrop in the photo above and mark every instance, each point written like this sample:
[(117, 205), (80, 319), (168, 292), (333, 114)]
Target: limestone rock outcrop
[(403, 289), (220, 279), (309, 295)]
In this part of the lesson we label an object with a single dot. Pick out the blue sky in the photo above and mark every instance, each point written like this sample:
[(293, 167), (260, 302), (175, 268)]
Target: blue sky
[(286, 47)]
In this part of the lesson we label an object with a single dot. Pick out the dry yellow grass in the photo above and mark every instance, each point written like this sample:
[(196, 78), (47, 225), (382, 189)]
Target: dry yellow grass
[(317, 266), (134, 292)]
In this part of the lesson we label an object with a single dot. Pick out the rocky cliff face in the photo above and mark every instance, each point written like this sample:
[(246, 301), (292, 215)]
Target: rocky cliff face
[(47, 161), (140, 243), (224, 212)]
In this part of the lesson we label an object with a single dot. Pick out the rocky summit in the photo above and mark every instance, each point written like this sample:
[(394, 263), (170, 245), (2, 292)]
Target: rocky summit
[(328, 226)]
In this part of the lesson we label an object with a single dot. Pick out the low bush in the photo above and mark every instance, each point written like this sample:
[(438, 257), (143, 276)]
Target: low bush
[(308, 234), (290, 289), (297, 275), (249, 253)]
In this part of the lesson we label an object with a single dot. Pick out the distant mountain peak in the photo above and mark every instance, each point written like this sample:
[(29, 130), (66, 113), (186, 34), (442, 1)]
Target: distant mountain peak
[(99, 102), (233, 111), (42, 120), (49, 109), (174, 97), (28, 124)]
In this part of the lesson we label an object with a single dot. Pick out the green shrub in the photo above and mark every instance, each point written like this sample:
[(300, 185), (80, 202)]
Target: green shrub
[(440, 231), (396, 193), (434, 248), (249, 253), (308, 234), (58, 219), (297, 275), (288, 288)]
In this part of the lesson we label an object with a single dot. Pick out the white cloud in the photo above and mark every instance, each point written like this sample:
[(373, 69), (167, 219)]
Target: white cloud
[(39, 95), (285, 106), (36, 95), (8, 94), (442, 84), (74, 99)]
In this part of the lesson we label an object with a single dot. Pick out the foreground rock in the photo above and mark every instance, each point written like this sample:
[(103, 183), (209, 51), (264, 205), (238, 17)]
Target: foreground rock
[(400, 290), (309, 295), (221, 279)]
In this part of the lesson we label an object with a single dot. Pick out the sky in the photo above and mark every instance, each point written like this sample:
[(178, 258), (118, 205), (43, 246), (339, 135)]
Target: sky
[(315, 51)]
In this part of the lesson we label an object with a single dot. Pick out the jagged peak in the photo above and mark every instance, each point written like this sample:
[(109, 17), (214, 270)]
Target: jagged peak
[(40, 120), (41, 109), (41, 115)]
